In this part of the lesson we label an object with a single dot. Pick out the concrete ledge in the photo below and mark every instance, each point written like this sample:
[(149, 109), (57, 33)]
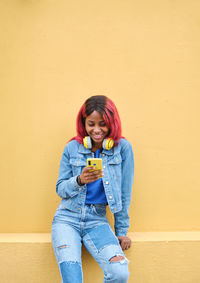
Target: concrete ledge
[(25, 238), (163, 257), (135, 237), (164, 236)]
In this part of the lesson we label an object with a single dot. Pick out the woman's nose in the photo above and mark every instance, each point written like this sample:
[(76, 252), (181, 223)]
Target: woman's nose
[(97, 130)]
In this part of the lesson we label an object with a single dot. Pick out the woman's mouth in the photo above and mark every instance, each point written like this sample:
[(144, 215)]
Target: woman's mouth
[(97, 137)]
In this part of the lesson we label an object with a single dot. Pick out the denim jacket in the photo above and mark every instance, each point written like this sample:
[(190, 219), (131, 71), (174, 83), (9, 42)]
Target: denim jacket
[(118, 166)]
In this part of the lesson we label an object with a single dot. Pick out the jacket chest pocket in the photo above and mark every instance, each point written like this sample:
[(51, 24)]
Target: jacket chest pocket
[(115, 165), (77, 165)]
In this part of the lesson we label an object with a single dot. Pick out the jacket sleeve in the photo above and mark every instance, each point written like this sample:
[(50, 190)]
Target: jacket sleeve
[(122, 222), (66, 186)]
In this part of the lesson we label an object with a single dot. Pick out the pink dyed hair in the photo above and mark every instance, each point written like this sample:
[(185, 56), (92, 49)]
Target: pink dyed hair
[(104, 106)]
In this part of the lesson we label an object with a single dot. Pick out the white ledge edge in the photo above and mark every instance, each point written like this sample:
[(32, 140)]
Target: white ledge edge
[(135, 237)]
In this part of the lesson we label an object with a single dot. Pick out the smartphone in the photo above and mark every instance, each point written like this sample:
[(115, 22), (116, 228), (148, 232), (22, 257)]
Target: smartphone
[(94, 162)]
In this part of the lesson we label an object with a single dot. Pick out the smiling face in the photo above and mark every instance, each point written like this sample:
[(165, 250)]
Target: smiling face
[(96, 128)]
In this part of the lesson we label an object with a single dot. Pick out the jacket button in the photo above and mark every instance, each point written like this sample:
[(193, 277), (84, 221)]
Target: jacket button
[(103, 154), (107, 182), (104, 167), (110, 197)]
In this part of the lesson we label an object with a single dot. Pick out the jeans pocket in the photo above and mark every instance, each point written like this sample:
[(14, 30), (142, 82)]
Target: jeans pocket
[(99, 210)]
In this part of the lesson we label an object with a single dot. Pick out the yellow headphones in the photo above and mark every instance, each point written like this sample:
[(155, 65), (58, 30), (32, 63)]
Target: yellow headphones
[(107, 143)]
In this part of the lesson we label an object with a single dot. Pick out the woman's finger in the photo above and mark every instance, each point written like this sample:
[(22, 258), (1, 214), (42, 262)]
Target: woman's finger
[(125, 243), (96, 174)]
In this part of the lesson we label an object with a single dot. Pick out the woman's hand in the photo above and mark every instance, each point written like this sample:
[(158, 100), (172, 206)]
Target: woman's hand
[(125, 242), (87, 177)]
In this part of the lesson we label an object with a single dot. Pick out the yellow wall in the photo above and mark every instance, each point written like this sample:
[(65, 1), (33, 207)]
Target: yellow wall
[(142, 54)]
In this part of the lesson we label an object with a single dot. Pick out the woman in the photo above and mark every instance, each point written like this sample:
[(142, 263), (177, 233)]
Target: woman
[(81, 214)]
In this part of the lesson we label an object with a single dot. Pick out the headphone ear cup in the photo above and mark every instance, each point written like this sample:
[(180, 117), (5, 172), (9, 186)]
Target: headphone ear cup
[(87, 142), (108, 143)]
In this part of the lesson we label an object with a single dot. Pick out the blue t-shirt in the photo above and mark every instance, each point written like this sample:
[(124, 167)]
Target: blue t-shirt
[(95, 190)]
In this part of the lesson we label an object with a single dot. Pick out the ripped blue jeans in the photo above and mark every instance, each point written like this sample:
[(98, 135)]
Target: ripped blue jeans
[(90, 227)]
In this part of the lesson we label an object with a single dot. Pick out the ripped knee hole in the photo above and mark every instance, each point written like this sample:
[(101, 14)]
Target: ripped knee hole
[(63, 246), (116, 258)]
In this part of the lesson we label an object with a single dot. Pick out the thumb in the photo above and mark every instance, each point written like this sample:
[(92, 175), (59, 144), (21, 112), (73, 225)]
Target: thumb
[(119, 238)]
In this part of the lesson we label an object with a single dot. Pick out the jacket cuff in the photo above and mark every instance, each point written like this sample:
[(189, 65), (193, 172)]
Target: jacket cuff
[(75, 185), (121, 232)]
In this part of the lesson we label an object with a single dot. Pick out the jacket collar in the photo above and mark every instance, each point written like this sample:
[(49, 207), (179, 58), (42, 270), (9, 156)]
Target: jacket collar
[(83, 150), (108, 152)]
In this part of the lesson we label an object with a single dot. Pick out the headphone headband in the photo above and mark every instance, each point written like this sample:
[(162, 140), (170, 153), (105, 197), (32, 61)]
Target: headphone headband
[(107, 143)]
